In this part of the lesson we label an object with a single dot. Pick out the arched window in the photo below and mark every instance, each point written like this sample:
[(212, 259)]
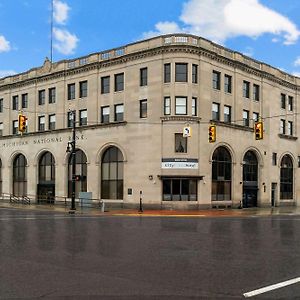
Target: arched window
[(81, 170), (47, 168), (250, 167), (286, 178), (221, 174), (112, 174), (19, 176)]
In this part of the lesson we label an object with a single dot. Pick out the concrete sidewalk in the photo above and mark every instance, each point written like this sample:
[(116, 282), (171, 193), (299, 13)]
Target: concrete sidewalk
[(171, 213)]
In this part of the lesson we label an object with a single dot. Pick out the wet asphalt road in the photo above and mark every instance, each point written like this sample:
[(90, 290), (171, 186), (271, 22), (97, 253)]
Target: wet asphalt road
[(58, 256)]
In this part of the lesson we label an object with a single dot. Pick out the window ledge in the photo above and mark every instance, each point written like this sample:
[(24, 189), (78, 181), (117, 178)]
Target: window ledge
[(287, 137), (180, 118)]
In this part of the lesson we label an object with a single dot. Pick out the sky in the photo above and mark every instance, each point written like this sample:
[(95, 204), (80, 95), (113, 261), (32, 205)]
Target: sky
[(266, 30)]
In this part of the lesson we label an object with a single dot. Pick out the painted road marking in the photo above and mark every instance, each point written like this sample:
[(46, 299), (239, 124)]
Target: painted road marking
[(271, 287)]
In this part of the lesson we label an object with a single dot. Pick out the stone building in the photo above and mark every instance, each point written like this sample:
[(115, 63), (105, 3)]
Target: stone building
[(132, 105)]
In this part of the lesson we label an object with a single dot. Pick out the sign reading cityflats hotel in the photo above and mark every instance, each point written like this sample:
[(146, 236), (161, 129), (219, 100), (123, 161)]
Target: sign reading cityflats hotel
[(46, 140), (179, 163)]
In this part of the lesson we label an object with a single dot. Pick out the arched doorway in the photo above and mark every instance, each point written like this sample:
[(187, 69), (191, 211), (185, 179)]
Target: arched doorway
[(221, 175), (46, 181), (112, 174), (250, 179), (20, 176), (81, 171), (286, 177)]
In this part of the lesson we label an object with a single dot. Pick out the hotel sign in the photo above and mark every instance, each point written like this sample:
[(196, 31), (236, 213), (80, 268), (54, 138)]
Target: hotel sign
[(179, 163)]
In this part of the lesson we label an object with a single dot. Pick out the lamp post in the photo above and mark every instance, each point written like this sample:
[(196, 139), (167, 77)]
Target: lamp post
[(73, 157)]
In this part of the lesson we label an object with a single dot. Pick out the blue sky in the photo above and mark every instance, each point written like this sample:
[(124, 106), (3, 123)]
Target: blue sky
[(267, 30)]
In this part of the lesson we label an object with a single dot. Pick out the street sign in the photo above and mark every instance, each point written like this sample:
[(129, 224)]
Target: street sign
[(187, 131)]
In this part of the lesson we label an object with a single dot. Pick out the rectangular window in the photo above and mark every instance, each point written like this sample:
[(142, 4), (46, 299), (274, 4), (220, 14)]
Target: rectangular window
[(194, 73), (227, 83), (1, 129), (180, 105), (143, 77), (143, 108), (274, 159), (216, 80), (105, 84), (181, 72), (24, 100), (291, 103), (216, 111), (1, 105), (83, 117), (282, 126), (83, 89), (52, 120), (245, 117), (70, 119), (42, 96), (180, 143), (194, 106), (15, 102), (246, 89), (71, 91), (15, 127), (167, 73), (119, 112), (119, 82), (255, 116), (41, 123), (290, 128), (167, 106), (283, 96), (298, 161), (227, 114), (52, 95), (256, 95), (105, 114)]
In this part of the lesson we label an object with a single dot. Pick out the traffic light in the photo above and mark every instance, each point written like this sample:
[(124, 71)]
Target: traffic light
[(259, 130), (22, 123), (212, 133)]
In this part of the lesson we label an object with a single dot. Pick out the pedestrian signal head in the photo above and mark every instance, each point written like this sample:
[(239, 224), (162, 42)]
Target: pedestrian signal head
[(212, 133)]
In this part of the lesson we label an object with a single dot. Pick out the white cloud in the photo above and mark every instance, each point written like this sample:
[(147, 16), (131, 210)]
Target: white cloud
[(297, 62), (249, 51), (4, 44), (60, 11), (296, 74), (66, 42), (219, 20), (4, 73), (163, 28)]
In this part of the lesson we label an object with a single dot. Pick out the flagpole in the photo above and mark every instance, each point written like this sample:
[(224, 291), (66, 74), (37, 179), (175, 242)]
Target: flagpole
[(51, 33)]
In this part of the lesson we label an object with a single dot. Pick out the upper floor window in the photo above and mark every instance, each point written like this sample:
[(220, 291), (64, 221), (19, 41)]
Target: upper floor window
[(83, 117), (227, 83), (105, 84), (283, 96), (83, 89), (255, 116), (167, 73), (105, 114), (216, 80), (143, 108), (15, 126), (216, 111), (194, 73), (119, 82), (181, 72), (274, 158), (180, 143), (227, 114), (1, 129), (256, 95), (291, 103), (71, 91), (143, 77), (52, 120), (24, 100), (1, 105), (282, 126), (52, 95), (41, 125), (246, 89), (245, 117), (194, 106), (42, 96), (167, 106), (15, 102), (290, 128), (119, 112), (180, 105)]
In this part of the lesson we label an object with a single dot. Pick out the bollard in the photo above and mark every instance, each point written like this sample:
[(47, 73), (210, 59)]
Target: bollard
[(102, 206), (141, 203)]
